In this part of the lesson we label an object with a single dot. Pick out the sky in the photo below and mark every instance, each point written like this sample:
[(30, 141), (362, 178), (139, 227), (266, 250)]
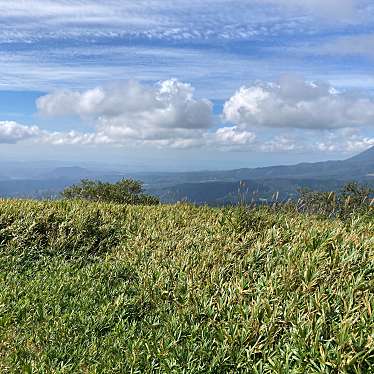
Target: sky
[(187, 85)]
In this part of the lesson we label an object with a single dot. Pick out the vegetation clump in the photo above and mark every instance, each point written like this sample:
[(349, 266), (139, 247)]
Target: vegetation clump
[(352, 199), (125, 191), (183, 289)]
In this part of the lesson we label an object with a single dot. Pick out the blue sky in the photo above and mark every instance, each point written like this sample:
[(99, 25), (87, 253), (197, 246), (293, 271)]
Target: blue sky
[(186, 84)]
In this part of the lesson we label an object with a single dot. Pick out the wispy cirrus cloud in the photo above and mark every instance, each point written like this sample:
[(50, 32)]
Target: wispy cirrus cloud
[(86, 42), (352, 45), (213, 73), (333, 10)]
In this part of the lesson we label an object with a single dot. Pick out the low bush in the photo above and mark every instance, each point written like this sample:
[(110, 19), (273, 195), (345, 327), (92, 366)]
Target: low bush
[(125, 191), (67, 229), (352, 199)]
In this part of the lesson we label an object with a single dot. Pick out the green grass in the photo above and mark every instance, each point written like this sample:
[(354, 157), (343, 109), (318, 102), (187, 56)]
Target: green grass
[(100, 288)]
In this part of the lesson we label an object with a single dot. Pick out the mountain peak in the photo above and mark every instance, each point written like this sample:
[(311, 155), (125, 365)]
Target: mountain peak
[(365, 156)]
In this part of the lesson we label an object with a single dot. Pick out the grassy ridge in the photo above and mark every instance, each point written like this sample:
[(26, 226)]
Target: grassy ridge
[(112, 289)]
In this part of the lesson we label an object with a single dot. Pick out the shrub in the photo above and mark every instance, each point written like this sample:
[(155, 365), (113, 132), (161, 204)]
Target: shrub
[(67, 230), (353, 198), (125, 191)]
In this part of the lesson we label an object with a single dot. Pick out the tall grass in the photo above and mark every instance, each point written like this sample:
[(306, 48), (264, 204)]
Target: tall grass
[(102, 288)]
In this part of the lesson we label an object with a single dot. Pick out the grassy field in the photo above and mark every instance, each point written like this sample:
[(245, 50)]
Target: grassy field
[(100, 288)]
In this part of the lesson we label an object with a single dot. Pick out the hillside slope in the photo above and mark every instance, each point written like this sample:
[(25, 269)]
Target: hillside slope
[(174, 186), (217, 188), (356, 167), (101, 288), (221, 193)]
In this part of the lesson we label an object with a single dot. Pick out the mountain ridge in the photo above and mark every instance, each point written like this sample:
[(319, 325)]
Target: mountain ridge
[(174, 186)]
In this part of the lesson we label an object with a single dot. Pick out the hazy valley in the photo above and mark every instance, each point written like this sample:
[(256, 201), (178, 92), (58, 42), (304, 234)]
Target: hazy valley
[(211, 187)]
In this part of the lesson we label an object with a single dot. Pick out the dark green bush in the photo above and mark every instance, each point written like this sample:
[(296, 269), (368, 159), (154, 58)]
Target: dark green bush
[(125, 191), (67, 230)]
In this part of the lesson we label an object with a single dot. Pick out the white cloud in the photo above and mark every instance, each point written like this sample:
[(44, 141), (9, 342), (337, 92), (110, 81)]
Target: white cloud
[(294, 103), (345, 141), (132, 114), (73, 138), (12, 132), (49, 44), (284, 143), (307, 116), (224, 139), (65, 102), (135, 112), (232, 136), (83, 12), (170, 12)]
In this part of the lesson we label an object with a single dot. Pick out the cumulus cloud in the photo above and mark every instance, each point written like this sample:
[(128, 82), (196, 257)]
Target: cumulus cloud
[(233, 136), (132, 111), (284, 143), (224, 139), (227, 138), (295, 103), (165, 115), (344, 140), (330, 141), (290, 115), (72, 138), (12, 132)]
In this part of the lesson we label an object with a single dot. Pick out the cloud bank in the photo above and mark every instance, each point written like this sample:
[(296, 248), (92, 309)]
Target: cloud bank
[(12, 132), (291, 114), (295, 103), (135, 112)]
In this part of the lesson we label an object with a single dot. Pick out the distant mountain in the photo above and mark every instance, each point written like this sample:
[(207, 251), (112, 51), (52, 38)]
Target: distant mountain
[(356, 167), (71, 172), (218, 193), (213, 187), (33, 188), (50, 183), (262, 183), (366, 157)]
